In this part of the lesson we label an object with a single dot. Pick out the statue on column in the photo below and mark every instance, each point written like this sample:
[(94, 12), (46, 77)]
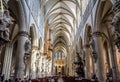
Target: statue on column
[(80, 66), (27, 49), (92, 46), (5, 22)]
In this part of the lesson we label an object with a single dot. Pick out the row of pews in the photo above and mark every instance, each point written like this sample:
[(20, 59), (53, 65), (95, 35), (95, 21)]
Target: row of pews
[(67, 79)]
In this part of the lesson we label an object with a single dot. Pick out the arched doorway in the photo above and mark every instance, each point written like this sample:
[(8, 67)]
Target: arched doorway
[(89, 56)]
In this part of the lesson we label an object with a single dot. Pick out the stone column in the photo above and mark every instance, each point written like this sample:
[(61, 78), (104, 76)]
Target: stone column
[(97, 36), (116, 33), (7, 61), (73, 60), (114, 64), (27, 74), (33, 62), (1, 46), (44, 65), (93, 64), (20, 64), (52, 69), (67, 65), (87, 61), (71, 65), (39, 67), (68, 61)]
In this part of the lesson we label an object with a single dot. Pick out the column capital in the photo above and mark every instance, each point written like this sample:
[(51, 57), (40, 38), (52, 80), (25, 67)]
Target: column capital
[(97, 34), (23, 33)]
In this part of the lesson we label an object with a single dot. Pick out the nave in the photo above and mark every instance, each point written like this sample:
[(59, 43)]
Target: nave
[(70, 40)]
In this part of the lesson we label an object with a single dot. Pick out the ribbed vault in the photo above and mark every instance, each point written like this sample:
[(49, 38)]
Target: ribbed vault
[(61, 16)]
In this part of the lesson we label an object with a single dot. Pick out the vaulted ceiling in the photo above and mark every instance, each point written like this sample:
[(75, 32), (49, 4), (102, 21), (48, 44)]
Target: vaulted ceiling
[(62, 17)]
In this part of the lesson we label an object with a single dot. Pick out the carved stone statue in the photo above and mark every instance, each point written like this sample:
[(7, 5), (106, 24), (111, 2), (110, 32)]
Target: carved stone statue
[(28, 47), (27, 51), (80, 66), (92, 46), (5, 22), (4, 31)]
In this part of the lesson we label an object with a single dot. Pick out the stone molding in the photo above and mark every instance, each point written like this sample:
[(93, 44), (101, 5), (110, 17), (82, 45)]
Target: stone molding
[(23, 33), (97, 34)]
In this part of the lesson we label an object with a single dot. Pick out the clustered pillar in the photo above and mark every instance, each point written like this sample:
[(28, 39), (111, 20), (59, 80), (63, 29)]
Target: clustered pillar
[(87, 61), (20, 65), (97, 36), (33, 62), (116, 26), (7, 61)]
